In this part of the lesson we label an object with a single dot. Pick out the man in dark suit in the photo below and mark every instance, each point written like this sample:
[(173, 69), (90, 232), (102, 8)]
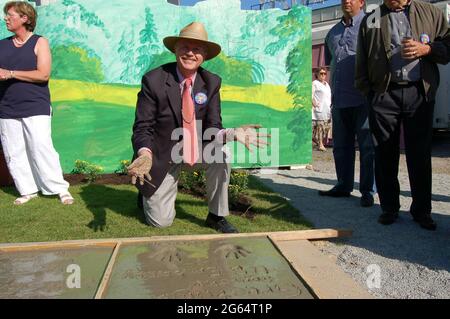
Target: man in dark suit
[(178, 111), (396, 69)]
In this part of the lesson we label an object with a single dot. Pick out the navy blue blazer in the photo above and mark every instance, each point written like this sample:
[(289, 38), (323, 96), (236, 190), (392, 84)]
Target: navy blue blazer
[(158, 113)]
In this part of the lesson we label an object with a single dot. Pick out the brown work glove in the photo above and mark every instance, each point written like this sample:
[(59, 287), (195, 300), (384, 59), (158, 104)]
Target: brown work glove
[(140, 168)]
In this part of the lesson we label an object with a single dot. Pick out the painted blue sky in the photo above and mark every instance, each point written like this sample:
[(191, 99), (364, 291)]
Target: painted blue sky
[(245, 4)]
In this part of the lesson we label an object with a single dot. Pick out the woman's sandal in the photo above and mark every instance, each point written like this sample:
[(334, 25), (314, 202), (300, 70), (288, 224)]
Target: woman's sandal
[(25, 198), (66, 198)]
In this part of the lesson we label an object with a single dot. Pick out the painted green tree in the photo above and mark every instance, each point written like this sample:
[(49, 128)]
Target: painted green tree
[(251, 33), (74, 63), (127, 56), (73, 26), (149, 41), (159, 59), (232, 71), (298, 66), (84, 15), (70, 36)]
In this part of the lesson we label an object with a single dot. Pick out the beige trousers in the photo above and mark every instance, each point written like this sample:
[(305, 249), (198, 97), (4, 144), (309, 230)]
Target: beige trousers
[(159, 209)]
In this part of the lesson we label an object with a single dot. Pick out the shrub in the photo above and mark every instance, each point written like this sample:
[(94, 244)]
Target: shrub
[(80, 167), (238, 185), (91, 171), (195, 182), (75, 63)]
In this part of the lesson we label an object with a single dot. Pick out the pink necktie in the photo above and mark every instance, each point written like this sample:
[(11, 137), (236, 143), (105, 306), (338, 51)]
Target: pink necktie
[(190, 143)]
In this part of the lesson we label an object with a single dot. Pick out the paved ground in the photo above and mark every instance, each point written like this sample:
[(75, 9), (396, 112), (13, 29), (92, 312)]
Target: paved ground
[(413, 262)]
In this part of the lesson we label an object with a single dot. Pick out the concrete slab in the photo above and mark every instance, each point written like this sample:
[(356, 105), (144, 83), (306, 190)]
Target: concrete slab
[(257, 266), (45, 273), (226, 268)]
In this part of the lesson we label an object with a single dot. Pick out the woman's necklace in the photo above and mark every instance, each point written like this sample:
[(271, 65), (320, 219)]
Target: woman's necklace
[(19, 42)]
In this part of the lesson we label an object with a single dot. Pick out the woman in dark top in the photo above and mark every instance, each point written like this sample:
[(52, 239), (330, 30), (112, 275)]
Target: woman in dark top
[(25, 110)]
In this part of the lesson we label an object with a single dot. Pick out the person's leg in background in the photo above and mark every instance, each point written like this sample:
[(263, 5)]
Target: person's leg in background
[(314, 133), (330, 133), (366, 156), (418, 129), (384, 123), (320, 135), (343, 153)]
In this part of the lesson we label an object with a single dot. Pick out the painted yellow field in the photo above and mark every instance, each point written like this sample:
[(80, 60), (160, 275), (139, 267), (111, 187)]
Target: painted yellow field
[(273, 96), (69, 90)]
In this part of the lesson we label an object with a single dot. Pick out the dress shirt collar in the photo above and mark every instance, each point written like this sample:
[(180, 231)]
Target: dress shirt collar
[(182, 79), (357, 18)]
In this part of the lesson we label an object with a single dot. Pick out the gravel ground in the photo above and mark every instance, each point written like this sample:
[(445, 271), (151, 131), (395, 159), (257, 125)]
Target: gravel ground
[(413, 262)]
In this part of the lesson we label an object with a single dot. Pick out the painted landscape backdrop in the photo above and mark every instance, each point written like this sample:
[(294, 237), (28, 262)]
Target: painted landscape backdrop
[(101, 49)]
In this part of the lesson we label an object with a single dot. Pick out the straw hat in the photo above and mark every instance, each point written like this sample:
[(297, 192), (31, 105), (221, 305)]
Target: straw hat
[(194, 31)]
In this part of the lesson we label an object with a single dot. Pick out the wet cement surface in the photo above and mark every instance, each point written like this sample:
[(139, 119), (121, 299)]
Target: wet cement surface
[(50, 273), (231, 268)]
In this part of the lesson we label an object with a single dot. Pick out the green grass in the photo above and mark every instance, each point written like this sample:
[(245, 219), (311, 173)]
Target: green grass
[(109, 211)]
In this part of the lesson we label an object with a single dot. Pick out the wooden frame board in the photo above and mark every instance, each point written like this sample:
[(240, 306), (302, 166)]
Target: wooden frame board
[(310, 234)]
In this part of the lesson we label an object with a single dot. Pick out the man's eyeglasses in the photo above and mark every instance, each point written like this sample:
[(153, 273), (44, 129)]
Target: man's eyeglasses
[(322, 73)]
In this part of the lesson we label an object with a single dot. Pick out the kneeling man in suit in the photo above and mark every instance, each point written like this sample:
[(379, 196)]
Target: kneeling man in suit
[(178, 115)]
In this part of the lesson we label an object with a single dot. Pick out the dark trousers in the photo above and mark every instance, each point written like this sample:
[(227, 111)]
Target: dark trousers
[(403, 105), (348, 124)]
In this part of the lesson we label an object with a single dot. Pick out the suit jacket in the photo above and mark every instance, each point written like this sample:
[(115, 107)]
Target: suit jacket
[(372, 72), (158, 113)]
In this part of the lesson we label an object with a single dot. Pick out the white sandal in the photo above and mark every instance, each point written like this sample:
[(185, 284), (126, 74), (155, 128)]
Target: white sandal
[(66, 198), (25, 198)]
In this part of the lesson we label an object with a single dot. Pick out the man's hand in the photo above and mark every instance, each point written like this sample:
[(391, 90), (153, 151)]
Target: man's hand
[(247, 135), (412, 49), (140, 168)]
